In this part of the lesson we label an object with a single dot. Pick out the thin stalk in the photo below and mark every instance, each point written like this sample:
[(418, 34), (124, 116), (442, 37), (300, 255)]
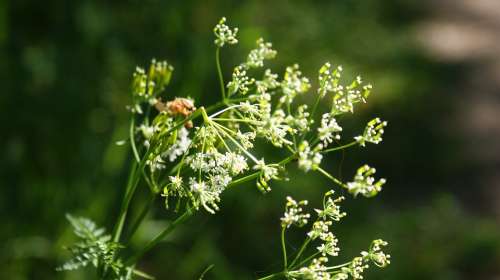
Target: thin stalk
[(142, 215), (237, 120), (305, 260), (255, 175), (338, 266), (329, 176), (219, 72), (301, 250), (225, 109), (132, 139), (283, 247), (274, 275), (160, 236), (245, 151), (129, 193), (339, 147)]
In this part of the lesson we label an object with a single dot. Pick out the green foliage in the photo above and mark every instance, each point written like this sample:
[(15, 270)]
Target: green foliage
[(94, 247)]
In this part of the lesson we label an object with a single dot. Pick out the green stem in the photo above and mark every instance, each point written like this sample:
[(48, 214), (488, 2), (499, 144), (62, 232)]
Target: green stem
[(132, 139), (132, 260), (339, 147), (327, 175), (274, 275), (255, 175), (283, 247), (305, 261), (142, 215), (219, 72), (302, 248)]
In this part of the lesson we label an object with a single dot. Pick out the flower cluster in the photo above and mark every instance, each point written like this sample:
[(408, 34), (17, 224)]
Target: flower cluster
[(147, 85), (240, 82), (257, 56), (309, 159), (215, 171), (373, 132), (294, 213), (318, 267), (293, 84), (224, 34), (364, 183), (329, 129), (194, 154)]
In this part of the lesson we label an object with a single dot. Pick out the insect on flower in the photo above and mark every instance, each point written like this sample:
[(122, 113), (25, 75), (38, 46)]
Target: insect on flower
[(176, 107)]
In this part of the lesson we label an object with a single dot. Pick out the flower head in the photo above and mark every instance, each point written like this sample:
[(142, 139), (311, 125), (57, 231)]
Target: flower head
[(224, 34), (364, 183), (294, 213), (257, 56), (373, 132)]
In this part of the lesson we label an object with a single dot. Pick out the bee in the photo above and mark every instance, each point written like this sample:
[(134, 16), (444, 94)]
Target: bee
[(177, 107)]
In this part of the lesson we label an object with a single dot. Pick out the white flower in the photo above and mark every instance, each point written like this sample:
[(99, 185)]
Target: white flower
[(147, 131), (294, 213), (246, 139), (317, 270), (309, 159), (329, 129), (267, 173), (240, 81), (328, 79), (224, 34), (180, 146), (300, 121), (257, 56), (270, 81), (373, 132), (204, 195), (376, 255), (319, 229), (293, 83), (364, 183), (357, 268), (331, 209), (155, 162), (329, 247)]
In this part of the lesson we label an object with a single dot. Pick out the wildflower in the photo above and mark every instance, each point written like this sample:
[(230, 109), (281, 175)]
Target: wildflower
[(274, 127), (204, 195), (329, 247), (329, 129), (294, 213), (317, 270), (364, 183), (224, 34), (180, 146), (331, 209), (246, 139), (155, 162), (147, 131), (266, 174), (376, 255), (319, 229), (345, 97), (160, 73), (373, 132), (309, 159), (356, 268), (257, 56), (328, 79), (240, 81), (300, 122), (293, 83)]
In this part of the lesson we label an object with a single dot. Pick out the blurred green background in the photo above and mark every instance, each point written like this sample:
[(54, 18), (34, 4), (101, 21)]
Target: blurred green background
[(66, 68)]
